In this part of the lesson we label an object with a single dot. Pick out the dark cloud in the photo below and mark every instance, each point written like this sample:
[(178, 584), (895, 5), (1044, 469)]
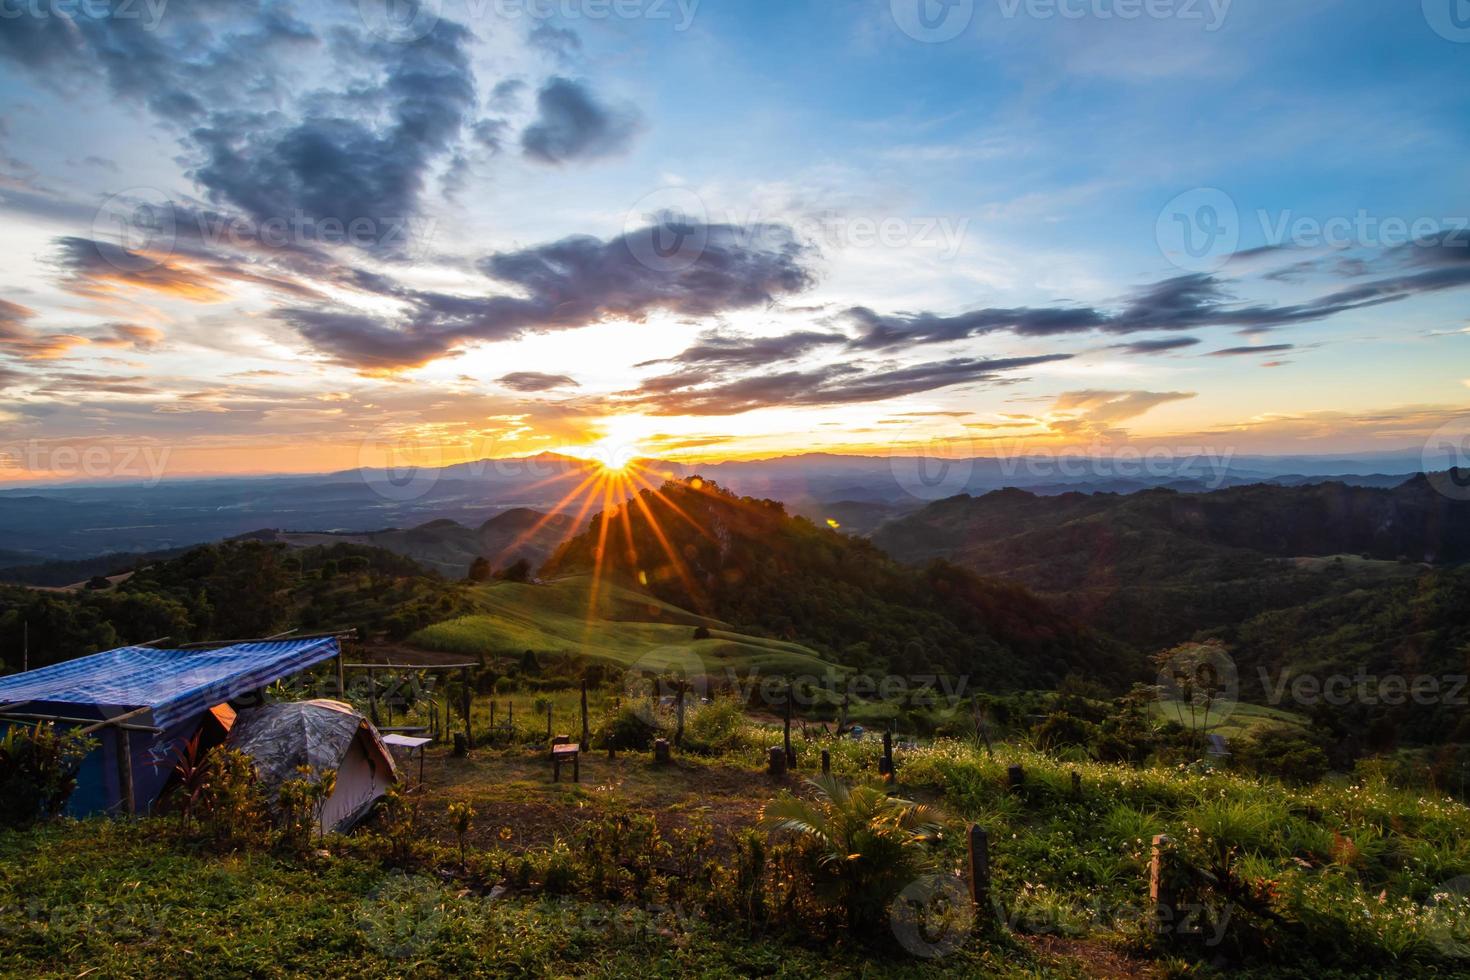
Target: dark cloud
[(571, 124), (1160, 345), (718, 350), (1248, 351), (535, 381), (1185, 302), (345, 168), (567, 284), (830, 384), (506, 95)]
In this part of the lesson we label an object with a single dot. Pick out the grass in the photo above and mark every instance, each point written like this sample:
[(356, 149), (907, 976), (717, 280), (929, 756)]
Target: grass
[(1234, 720), (627, 628)]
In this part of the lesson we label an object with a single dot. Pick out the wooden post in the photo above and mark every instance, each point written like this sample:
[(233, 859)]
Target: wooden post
[(586, 737), (492, 717), (681, 687), (1076, 783), (786, 731), (979, 867), (125, 772), (372, 696), (466, 698), (777, 764), (1015, 778), (1160, 888), (826, 763), (548, 721), (885, 766), (341, 675), (661, 751)]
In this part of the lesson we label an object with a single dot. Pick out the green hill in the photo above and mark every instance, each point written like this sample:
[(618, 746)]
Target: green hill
[(627, 627)]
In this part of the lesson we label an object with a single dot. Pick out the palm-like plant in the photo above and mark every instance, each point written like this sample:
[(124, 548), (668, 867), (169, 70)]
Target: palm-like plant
[(865, 846)]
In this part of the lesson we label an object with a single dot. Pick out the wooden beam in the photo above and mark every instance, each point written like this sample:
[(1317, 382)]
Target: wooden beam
[(110, 722), (62, 719)]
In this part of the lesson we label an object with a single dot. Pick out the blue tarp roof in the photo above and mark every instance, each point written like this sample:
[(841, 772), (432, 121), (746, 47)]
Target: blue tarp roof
[(176, 684)]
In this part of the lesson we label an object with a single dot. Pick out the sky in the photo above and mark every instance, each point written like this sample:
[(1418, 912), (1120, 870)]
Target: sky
[(275, 237)]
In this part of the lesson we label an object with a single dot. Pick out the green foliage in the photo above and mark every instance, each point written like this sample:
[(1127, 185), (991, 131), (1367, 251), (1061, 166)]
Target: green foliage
[(859, 845), (38, 770), (631, 726)]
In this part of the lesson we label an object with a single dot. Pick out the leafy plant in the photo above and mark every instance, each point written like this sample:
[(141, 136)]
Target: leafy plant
[(38, 771), (460, 814), (862, 845)]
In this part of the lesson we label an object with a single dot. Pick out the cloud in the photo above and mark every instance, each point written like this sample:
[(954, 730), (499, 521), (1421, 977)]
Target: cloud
[(559, 42), (98, 269), (1249, 351), (571, 124), (563, 285), (726, 351), (830, 384), (342, 167), (19, 339), (1161, 345), (535, 381), (1098, 411)]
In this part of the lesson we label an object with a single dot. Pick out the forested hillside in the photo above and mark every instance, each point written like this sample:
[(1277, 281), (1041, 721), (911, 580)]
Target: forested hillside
[(749, 563)]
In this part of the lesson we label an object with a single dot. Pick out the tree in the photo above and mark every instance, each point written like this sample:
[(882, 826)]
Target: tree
[(517, 571), (479, 570)]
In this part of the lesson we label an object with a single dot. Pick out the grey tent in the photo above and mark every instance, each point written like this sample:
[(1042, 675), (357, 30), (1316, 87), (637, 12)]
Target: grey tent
[(322, 734)]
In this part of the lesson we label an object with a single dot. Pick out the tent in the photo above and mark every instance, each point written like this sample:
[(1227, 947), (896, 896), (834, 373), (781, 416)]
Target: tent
[(322, 734), (144, 703)]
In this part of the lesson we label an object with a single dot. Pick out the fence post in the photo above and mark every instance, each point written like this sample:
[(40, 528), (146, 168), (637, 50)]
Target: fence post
[(885, 767), (1160, 887), (1076, 783), (777, 764), (826, 763), (1015, 777), (125, 772), (979, 841), (786, 733), (467, 697), (584, 744)]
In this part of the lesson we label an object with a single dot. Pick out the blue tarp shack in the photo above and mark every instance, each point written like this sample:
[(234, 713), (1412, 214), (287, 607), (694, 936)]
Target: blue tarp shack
[(144, 703)]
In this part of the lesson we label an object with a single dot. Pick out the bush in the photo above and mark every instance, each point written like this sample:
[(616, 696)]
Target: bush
[(38, 771), (1290, 754), (715, 728), (631, 727)]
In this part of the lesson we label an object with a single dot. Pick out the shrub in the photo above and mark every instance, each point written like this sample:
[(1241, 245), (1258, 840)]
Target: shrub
[(630, 727), (860, 846), (716, 727), (38, 771)]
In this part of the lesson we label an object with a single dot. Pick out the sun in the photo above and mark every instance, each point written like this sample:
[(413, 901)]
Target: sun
[(620, 443)]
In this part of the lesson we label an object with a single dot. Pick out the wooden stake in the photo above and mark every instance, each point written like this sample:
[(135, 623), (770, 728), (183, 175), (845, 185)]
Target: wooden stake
[(125, 772), (826, 763), (1160, 890), (465, 698), (586, 738), (979, 848), (1015, 777), (786, 733)]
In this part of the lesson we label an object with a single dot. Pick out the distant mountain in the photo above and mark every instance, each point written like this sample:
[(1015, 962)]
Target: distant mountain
[(749, 563), (449, 547), (83, 521), (1154, 567)]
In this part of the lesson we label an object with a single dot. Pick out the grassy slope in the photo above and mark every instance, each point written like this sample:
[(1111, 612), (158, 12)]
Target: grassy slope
[(628, 628)]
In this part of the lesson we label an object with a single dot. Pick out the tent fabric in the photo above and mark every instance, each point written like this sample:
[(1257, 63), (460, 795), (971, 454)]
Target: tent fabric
[(322, 734), (175, 684)]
